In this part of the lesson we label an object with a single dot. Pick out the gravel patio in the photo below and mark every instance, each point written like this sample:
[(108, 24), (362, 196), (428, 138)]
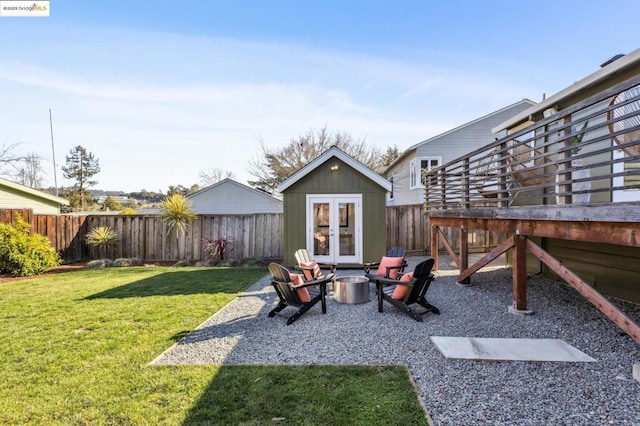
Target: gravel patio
[(454, 392)]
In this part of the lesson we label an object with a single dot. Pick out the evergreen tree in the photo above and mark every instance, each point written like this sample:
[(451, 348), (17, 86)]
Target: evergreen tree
[(81, 166)]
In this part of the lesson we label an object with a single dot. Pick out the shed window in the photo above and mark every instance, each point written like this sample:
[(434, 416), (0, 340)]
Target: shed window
[(416, 167)]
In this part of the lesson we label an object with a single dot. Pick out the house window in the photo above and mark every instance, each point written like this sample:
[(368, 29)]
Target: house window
[(416, 167), (391, 192)]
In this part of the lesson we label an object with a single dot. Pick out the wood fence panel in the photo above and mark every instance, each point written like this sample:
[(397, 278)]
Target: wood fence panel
[(409, 227), (146, 237)]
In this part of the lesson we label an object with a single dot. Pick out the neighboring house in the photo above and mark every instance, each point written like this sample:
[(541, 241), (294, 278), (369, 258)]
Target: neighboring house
[(405, 172), (16, 196), (229, 197), (122, 199), (335, 208)]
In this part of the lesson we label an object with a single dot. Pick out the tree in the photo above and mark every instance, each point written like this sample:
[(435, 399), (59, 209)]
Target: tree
[(111, 204), (81, 166), (30, 173), (214, 175), (273, 166), (74, 197), (391, 155), (9, 160)]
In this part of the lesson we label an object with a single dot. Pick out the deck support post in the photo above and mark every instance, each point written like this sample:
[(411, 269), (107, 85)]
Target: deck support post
[(520, 276), (434, 246), (464, 254)]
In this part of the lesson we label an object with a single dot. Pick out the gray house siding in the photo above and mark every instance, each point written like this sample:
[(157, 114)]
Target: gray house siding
[(231, 197), (445, 147)]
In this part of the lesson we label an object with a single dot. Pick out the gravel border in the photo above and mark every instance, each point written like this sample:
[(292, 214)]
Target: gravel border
[(455, 392)]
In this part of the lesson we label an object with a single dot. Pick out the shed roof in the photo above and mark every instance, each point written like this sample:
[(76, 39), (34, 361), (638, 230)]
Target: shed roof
[(34, 192), (605, 73), (336, 152)]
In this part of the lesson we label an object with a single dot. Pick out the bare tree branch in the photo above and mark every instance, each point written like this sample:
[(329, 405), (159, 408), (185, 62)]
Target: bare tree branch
[(273, 166), (214, 175)]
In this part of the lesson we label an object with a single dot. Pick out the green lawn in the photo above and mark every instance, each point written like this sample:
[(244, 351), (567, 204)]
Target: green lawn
[(75, 349)]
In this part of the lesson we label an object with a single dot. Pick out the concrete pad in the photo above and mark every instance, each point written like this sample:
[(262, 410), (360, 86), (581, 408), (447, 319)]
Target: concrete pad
[(508, 349)]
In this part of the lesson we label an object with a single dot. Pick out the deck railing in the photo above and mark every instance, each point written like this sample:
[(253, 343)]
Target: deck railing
[(586, 153)]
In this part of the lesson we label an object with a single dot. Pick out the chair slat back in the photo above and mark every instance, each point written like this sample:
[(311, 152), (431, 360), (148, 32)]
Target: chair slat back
[(422, 276), (303, 256), (282, 284), (396, 252)]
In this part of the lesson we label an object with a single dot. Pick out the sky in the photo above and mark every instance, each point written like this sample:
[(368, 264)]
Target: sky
[(160, 91)]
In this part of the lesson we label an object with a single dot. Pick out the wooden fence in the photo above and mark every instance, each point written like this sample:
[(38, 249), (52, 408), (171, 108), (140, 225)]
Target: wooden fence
[(255, 236), (409, 227)]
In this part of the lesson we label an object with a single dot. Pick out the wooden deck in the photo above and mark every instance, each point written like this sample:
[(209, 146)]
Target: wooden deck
[(612, 223), (572, 175)]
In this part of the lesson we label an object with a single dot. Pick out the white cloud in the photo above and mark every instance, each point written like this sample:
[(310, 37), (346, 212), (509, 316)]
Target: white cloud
[(161, 108)]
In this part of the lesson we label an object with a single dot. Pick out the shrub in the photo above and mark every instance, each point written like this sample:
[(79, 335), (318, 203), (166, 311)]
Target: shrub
[(218, 248), (25, 255), (96, 264), (102, 236), (123, 261), (177, 212)]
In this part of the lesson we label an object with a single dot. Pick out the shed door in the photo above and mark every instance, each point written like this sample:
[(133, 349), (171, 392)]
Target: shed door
[(334, 228)]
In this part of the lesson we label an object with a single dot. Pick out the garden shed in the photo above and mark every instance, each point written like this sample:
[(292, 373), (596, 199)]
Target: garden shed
[(335, 208)]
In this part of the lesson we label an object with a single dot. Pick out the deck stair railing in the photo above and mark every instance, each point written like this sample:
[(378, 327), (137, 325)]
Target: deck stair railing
[(587, 153)]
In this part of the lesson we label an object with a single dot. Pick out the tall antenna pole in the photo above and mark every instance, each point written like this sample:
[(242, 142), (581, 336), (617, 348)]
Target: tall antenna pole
[(53, 150)]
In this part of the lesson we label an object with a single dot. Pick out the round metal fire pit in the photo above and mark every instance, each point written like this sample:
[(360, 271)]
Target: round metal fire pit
[(351, 290)]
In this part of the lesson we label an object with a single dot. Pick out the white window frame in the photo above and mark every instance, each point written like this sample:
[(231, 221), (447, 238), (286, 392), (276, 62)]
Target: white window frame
[(415, 170)]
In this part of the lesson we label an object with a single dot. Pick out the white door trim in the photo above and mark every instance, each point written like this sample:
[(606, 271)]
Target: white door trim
[(333, 230)]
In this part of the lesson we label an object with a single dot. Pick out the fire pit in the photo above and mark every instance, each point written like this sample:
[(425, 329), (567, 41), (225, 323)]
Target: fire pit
[(351, 290)]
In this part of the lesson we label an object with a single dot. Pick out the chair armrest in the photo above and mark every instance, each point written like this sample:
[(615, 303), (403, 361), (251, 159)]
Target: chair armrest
[(330, 266), (369, 265), (304, 269), (318, 281), (384, 280)]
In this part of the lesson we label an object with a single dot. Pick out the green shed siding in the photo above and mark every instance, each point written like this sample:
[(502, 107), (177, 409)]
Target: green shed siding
[(344, 180)]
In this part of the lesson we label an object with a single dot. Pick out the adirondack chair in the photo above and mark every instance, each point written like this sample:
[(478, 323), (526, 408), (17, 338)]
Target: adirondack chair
[(389, 266), (295, 292), (309, 267), (410, 289)]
